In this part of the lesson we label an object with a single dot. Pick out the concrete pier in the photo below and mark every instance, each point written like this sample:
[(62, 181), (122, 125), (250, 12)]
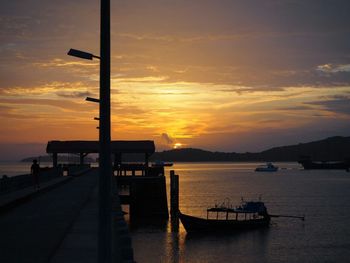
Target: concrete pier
[(60, 225), (10, 184)]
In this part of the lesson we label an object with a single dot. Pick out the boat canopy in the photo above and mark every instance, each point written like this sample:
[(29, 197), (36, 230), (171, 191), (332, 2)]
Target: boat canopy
[(117, 147), (246, 208), (254, 207)]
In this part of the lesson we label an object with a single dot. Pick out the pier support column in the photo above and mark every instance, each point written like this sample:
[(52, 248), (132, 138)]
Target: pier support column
[(148, 198)]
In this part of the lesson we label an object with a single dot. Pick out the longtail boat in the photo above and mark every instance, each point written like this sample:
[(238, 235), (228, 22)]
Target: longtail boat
[(249, 215)]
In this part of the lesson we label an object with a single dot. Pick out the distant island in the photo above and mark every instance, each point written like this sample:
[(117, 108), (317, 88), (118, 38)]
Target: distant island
[(330, 149)]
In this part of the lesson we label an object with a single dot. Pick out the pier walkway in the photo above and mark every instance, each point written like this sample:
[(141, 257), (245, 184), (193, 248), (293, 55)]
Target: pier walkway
[(14, 198), (58, 225)]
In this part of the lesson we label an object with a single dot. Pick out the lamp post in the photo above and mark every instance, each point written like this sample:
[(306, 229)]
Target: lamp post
[(105, 163), (105, 198)]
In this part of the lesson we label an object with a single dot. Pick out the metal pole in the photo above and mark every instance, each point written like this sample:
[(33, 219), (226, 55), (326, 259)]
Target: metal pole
[(105, 165)]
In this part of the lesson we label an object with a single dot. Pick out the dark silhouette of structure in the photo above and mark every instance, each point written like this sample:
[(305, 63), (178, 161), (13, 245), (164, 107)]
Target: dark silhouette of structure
[(146, 184), (83, 148)]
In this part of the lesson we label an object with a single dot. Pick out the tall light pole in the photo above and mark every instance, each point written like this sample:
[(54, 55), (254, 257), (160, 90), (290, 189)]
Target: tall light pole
[(105, 162), (105, 170)]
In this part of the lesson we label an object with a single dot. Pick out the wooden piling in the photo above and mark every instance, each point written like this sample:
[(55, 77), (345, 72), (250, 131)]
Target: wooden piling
[(174, 194)]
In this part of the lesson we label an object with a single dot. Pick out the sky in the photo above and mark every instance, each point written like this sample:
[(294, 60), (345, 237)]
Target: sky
[(223, 75)]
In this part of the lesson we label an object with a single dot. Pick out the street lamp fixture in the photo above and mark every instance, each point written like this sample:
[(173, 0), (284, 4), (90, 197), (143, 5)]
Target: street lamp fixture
[(81, 54), (92, 99)]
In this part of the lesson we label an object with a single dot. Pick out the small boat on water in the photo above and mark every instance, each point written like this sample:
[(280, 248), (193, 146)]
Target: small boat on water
[(308, 164), (249, 215), (269, 167)]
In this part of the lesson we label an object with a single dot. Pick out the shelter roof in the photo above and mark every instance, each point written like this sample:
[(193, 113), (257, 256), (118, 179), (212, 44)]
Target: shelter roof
[(93, 147)]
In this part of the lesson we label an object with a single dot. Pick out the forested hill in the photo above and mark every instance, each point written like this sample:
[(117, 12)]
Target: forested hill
[(330, 149)]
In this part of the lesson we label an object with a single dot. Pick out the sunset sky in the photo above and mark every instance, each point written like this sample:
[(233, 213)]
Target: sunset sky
[(223, 75)]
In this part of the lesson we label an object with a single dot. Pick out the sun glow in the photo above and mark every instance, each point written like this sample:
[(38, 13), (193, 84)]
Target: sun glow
[(177, 145)]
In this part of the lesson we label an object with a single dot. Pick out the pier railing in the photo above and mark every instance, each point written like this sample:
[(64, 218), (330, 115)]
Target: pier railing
[(14, 183), (9, 184)]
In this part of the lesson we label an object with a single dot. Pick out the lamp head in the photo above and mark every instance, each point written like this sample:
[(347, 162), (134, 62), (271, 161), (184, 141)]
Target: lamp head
[(80, 54), (92, 99)]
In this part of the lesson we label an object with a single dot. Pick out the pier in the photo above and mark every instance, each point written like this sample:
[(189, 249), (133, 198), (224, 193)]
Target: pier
[(58, 222)]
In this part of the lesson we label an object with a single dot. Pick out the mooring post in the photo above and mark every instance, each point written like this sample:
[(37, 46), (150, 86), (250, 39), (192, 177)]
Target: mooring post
[(174, 194)]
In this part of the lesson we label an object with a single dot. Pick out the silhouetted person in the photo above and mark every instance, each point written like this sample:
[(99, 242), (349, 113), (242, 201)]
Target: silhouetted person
[(35, 170)]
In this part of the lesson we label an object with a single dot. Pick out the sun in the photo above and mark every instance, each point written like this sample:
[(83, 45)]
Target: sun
[(177, 145)]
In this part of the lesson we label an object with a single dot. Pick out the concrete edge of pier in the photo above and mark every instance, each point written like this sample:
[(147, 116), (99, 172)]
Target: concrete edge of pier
[(69, 235), (15, 198), (12, 199)]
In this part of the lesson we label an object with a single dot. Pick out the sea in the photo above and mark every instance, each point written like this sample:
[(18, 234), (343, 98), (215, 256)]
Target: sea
[(322, 196)]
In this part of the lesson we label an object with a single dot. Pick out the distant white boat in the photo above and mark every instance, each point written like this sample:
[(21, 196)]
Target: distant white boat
[(269, 167)]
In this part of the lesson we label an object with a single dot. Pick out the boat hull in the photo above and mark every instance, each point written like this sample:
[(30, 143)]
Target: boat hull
[(263, 169), (308, 165), (196, 224), (269, 167)]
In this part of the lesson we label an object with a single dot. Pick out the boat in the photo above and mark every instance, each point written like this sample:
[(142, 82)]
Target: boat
[(269, 167), (249, 215), (308, 164)]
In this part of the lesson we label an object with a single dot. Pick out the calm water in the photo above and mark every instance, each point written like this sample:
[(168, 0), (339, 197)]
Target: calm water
[(322, 196)]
